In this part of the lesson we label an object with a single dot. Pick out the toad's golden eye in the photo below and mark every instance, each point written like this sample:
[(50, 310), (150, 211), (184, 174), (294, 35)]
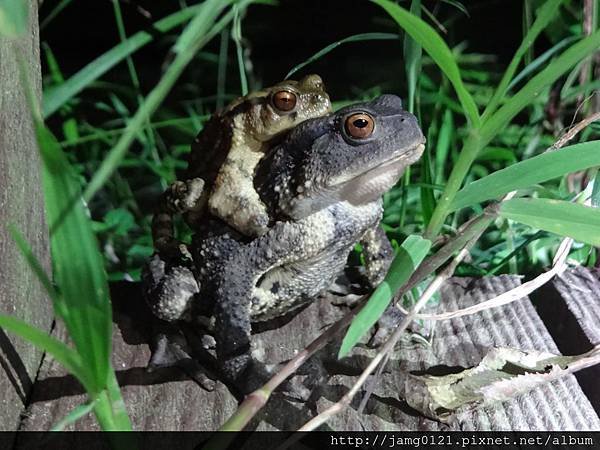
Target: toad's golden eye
[(360, 125), (284, 100)]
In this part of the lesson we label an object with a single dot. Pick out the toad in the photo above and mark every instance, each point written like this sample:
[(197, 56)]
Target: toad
[(322, 188)]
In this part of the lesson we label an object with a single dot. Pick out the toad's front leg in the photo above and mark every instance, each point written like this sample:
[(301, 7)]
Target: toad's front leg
[(181, 197)]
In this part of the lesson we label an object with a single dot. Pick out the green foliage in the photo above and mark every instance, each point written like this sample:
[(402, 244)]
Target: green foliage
[(56, 96), (545, 14), (408, 257), (529, 172), (495, 118), (81, 300), (201, 29), (77, 264)]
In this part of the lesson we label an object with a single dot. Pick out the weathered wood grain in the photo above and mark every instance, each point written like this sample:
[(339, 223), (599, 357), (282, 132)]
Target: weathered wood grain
[(167, 400), (579, 287), (570, 308), (560, 405), (21, 205)]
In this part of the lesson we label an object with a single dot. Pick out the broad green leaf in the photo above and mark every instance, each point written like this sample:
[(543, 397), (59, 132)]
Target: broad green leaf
[(13, 17), (427, 197), (65, 355), (580, 222), (118, 405), (545, 14), (478, 138), (409, 256), (77, 262), (57, 96), (434, 45), (330, 47), (535, 170)]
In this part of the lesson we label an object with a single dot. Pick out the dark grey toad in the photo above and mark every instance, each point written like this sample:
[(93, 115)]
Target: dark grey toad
[(322, 186)]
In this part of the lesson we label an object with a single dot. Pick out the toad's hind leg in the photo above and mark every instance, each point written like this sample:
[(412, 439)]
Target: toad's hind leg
[(170, 285), (169, 289), (233, 334)]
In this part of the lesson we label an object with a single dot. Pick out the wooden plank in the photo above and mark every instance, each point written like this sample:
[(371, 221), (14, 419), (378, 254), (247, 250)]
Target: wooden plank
[(21, 205), (560, 405), (166, 400), (579, 287), (570, 308)]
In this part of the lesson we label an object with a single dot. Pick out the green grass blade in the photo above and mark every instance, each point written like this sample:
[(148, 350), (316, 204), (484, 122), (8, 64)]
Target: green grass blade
[(57, 96), (535, 170), (76, 413), (437, 49), (497, 121), (413, 53), (55, 12), (409, 256), (118, 405), (443, 144), (541, 60), (596, 191), (354, 38), (13, 17), (36, 267), (65, 355), (427, 197), (545, 14), (197, 33), (580, 222), (78, 264)]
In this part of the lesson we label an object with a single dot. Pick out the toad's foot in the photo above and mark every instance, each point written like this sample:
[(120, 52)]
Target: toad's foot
[(171, 350), (184, 196)]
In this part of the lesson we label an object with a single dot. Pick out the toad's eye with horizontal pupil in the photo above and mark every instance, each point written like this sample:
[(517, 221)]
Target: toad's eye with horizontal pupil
[(360, 125), (284, 100)]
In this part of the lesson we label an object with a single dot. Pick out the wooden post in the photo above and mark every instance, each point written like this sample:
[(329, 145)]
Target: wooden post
[(21, 205)]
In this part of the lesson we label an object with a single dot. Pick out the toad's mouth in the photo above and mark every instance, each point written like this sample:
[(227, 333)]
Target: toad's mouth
[(369, 185)]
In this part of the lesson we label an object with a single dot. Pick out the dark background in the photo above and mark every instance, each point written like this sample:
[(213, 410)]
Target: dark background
[(280, 37)]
